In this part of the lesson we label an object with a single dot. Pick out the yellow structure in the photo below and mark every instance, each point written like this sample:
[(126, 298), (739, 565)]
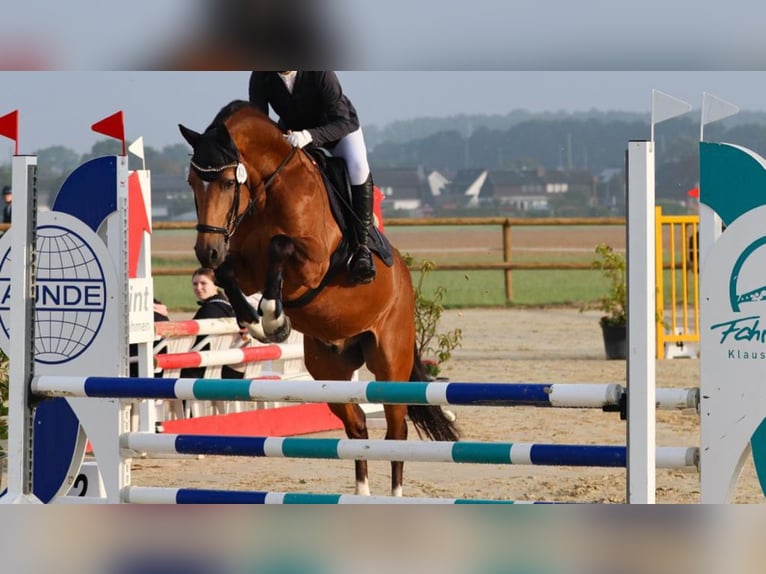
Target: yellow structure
[(677, 261)]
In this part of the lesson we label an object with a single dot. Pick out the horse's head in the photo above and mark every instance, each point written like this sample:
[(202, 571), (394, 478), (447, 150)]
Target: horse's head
[(222, 195)]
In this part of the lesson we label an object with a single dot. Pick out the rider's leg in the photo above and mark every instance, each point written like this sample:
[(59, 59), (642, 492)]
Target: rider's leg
[(353, 150), (361, 267)]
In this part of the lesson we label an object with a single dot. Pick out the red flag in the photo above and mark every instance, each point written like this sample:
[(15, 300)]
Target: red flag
[(138, 222), (9, 127), (377, 207), (694, 192), (113, 126)]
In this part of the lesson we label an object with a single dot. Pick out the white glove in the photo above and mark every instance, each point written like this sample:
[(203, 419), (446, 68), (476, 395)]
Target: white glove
[(299, 139)]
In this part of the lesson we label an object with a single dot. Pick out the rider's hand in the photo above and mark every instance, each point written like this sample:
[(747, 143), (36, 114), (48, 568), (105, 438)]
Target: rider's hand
[(299, 139)]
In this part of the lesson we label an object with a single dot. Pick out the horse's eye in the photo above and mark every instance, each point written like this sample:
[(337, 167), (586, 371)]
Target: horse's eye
[(229, 183)]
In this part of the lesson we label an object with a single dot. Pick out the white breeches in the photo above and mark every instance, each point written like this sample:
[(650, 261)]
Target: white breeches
[(353, 149)]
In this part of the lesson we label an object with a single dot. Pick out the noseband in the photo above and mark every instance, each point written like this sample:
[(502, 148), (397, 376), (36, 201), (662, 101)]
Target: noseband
[(233, 220)]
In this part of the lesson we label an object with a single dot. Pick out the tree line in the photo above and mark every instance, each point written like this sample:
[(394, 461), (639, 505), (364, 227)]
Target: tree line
[(594, 141)]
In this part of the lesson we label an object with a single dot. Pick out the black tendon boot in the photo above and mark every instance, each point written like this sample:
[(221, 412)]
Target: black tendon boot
[(361, 268)]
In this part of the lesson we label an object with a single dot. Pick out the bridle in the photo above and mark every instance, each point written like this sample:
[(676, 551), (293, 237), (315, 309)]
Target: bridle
[(233, 219)]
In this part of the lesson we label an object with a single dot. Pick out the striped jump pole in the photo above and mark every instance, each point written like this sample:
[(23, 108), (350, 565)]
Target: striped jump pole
[(221, 326), (405, 392), (516, 453), (227, 356), (160, 495)]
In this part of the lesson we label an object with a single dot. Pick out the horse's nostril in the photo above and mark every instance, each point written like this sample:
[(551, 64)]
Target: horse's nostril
[(213, 255)]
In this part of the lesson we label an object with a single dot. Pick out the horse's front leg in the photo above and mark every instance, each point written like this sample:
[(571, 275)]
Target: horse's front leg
[(276, 325), (268, 323), (246, 314)]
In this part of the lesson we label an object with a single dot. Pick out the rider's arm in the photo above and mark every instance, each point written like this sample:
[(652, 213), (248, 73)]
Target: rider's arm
[(257, 92), (341, 115)]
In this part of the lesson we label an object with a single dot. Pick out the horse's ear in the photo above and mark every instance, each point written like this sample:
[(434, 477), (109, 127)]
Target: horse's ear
[(224, 139), (190, 136)]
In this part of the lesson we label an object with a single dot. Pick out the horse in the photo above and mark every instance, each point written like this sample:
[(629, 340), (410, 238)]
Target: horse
[(265, 224)]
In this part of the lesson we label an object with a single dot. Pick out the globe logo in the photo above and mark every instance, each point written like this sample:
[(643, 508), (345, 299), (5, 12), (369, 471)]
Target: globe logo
[(70, 295), (746, 283)]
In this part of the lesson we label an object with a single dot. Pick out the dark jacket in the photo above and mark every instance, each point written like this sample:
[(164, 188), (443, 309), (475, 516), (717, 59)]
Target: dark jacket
[(317, 104), (215, 307)]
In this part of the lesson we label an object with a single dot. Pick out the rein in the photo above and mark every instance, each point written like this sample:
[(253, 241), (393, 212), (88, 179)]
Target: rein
[(234, 220)]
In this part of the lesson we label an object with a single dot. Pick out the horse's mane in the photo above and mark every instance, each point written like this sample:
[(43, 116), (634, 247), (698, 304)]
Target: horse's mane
[(231, 108)]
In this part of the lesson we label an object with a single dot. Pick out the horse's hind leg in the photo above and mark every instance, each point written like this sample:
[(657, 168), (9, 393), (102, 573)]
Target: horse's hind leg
[(396, 429), (326, 363), (385, 369), (390, 357), (355, 425)]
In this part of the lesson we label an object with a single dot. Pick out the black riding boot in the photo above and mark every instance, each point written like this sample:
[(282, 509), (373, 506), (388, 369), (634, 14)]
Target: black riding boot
[(361, 268)]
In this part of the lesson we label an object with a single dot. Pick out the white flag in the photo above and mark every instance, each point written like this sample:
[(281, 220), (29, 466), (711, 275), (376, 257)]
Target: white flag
[(665, 106), (714, 108), (137, 147)]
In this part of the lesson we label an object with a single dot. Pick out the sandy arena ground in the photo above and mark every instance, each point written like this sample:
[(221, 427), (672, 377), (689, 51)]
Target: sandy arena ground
[(554, 345)]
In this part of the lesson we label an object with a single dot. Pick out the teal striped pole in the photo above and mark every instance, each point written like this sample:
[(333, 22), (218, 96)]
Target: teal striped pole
[(415, 451), (160, 495)]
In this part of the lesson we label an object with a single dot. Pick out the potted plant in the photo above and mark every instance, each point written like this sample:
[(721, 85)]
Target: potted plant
[(614, 303), (434, 347)]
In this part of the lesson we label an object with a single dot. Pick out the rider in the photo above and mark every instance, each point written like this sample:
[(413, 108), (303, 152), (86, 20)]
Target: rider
[(312, 108)]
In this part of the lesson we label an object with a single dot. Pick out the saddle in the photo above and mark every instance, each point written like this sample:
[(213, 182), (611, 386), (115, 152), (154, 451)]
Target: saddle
[(338, 188), (335, 175)]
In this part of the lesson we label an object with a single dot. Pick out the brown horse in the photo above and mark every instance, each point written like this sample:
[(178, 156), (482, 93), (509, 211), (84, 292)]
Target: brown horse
[(265, 224)]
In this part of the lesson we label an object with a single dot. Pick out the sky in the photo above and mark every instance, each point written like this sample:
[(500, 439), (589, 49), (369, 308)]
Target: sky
[(58, 107)]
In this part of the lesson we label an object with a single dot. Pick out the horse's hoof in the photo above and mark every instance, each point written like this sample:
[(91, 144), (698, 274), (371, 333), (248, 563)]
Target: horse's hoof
[(256, 331), (282, 332)]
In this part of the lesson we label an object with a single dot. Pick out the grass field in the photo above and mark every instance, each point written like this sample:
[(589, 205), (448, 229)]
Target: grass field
[(463, 288)]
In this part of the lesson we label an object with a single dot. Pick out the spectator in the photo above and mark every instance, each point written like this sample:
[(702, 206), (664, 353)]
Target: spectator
[(212, 305), (8, 198)]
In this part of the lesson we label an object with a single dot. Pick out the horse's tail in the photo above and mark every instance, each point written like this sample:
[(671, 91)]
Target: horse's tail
[(430, 419)]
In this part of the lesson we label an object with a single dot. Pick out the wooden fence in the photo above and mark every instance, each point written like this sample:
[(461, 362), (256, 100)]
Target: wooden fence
[(506, 224), (676, 252)]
